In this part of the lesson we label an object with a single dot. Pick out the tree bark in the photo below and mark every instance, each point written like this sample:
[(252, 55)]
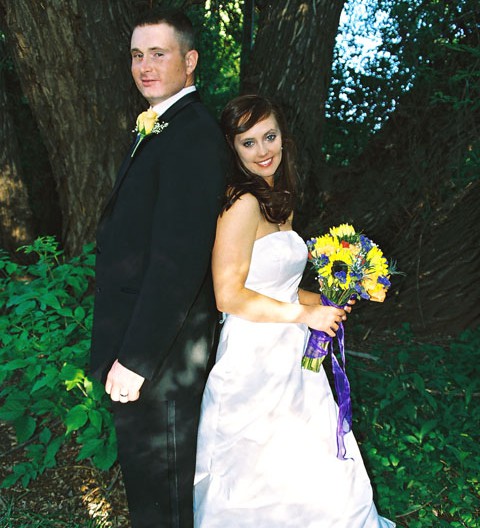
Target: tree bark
[(71, 58), (15, 211), (441, 295), (247, 34), (291, 63), (438, 296)]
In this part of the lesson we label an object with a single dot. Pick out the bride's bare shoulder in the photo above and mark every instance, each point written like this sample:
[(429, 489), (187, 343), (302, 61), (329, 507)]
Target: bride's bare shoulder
[(246, 204)]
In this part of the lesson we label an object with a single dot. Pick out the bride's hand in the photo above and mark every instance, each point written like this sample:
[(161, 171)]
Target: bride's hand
[(349, 305), (325, 318)]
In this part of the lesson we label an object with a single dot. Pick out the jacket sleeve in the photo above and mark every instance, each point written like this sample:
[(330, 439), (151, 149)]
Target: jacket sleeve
[(190, 186)]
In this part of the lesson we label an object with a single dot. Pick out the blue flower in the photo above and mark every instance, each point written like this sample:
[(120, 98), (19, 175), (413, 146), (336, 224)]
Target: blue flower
[(356, 275), (341, 276), (384, 281), (363, 294), (366, 243), (323, 260)]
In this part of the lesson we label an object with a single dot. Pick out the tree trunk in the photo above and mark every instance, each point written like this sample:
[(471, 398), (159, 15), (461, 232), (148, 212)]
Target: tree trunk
[(15, 212), (291, 63), (439, 294), (71, 57), (247, 34)]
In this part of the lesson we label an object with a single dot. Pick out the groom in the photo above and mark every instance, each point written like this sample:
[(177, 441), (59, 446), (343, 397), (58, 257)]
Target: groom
[(154, 312)]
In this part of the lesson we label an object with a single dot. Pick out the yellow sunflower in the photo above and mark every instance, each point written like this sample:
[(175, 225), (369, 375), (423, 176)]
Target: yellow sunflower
[(325, 245), (377, 262), (342, 230), (346, 257)]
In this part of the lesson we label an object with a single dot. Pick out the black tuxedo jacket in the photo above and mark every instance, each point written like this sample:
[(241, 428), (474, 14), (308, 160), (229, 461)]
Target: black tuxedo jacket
[(154, 306)]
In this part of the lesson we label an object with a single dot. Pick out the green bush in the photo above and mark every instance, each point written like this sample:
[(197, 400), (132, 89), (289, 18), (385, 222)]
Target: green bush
[(417, 421), (45, 325)]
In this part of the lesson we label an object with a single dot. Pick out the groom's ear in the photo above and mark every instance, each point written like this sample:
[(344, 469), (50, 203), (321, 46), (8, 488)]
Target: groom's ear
[(191, 60)]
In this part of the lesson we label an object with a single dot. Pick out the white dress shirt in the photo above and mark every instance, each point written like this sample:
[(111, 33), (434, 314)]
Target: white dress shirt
[(162, 107)]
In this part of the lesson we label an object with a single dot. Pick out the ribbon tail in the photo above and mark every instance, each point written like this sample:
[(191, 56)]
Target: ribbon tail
[(342, 387), (344, 423)]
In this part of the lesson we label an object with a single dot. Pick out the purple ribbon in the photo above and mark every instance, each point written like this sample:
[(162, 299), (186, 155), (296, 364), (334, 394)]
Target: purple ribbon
[(319, 345)]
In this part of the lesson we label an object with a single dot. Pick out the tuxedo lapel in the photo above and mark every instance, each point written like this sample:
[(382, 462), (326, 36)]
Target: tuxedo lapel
[(167, 117), (192, 97)]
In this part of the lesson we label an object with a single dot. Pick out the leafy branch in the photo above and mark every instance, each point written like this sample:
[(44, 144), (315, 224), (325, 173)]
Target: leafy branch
[(45, 324)]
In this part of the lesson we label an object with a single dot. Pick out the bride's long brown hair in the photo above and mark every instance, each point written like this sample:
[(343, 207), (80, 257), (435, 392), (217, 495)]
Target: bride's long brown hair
[(277, 202)]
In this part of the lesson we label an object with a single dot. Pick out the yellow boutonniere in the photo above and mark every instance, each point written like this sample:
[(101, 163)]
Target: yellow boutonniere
[(147, 123)]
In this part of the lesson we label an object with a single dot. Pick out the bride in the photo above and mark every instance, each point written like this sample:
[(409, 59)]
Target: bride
[(267, 449)]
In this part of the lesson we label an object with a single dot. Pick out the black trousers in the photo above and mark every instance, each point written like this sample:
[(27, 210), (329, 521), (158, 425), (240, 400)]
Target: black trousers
[(156, 450), (157, 434)]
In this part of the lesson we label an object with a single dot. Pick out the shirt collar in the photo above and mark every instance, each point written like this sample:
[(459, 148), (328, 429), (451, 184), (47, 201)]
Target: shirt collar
[(162, 107)]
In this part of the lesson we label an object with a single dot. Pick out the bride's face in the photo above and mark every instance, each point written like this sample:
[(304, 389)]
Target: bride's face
[(260, 148)]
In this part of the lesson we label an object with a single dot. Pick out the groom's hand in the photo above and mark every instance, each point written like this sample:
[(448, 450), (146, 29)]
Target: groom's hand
[(123, 384)]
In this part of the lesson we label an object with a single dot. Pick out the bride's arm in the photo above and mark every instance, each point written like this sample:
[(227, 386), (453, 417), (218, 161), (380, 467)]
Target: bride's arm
[(307, 297), (311, 299), (236, 233)]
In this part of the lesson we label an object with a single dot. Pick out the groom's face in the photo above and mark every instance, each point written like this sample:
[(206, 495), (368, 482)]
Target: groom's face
[(160, 65)]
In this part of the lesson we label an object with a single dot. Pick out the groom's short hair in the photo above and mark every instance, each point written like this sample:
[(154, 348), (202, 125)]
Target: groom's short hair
[(175, 18)]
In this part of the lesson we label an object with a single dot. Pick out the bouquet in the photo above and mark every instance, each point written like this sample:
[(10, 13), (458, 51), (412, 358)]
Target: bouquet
[(349, 266)]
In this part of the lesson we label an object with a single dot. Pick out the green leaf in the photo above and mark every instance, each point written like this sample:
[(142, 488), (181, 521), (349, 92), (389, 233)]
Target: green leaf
[(394, 460), (88, 386), (12, 409), (72, 376), (91, 447), (6, 339), (79, 313), (15, 364), (52, 450), (96, 390), (71, 372), (24, 427), (25, 307), (49, 379), (77, 417), (427, 427), (45, 436), (11, 268), (95, 419), (19, 470), (28, 477), (9, 480), (74, 283), (50, 300), (106, 457), (70, 328), (43, 406)]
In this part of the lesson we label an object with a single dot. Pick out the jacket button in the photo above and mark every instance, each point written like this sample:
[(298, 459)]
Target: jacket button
[(98, 289)]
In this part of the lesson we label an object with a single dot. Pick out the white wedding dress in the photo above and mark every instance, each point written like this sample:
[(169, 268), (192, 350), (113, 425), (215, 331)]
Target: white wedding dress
[(267, 449)]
